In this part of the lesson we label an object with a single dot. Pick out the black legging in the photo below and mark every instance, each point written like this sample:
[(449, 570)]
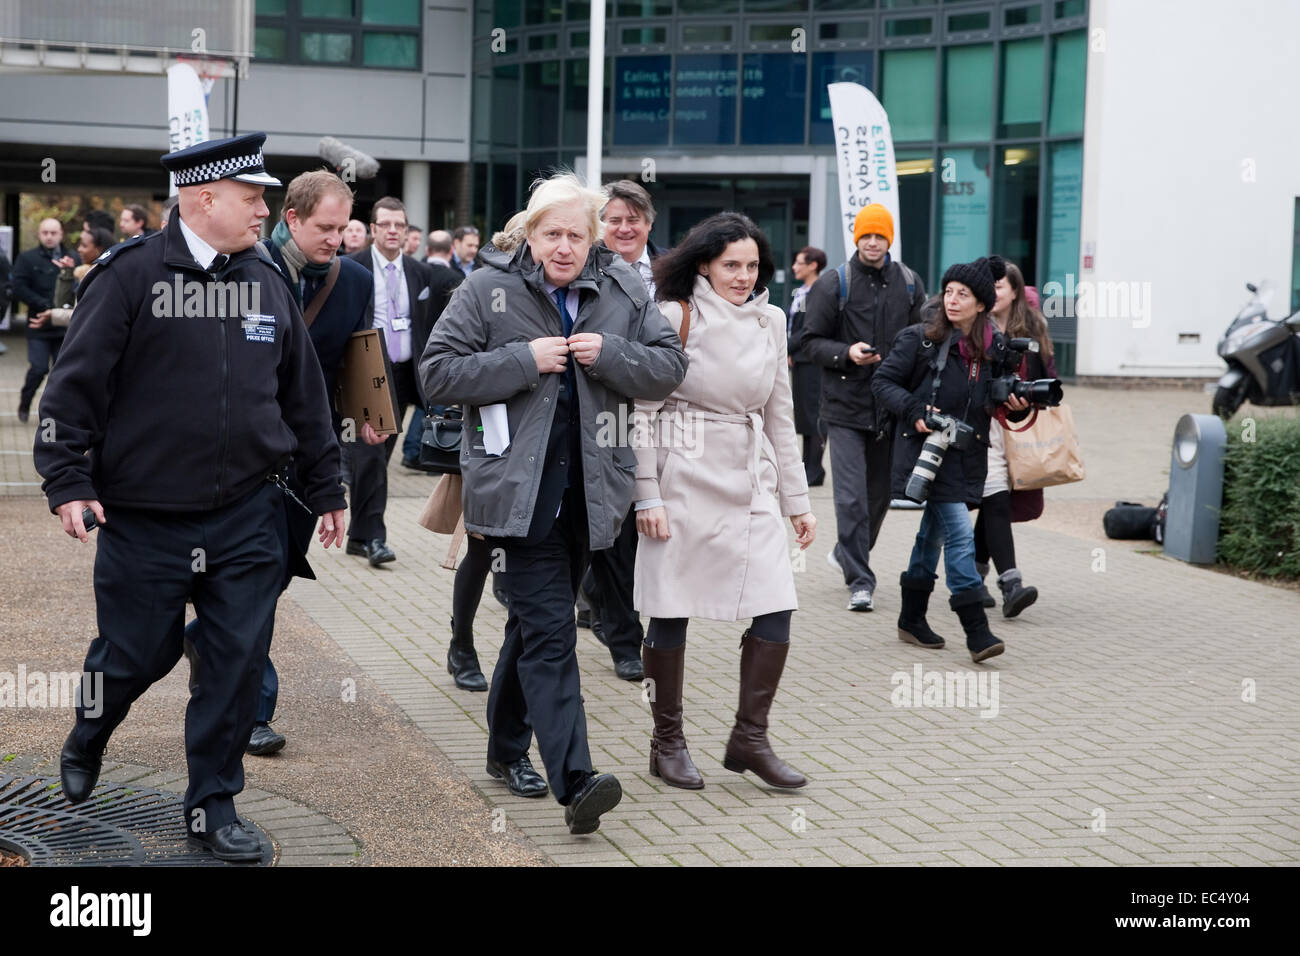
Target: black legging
[(667, 633), (993, 532), (471, 575)]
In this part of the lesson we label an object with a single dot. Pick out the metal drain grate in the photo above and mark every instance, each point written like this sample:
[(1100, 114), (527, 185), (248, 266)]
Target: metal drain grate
[(120, 825)]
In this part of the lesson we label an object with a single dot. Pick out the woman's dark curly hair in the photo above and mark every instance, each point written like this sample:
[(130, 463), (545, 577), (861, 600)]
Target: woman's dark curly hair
[(675, 270)]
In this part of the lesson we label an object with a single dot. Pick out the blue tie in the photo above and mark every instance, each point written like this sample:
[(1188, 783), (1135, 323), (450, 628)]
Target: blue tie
[(560, 296)]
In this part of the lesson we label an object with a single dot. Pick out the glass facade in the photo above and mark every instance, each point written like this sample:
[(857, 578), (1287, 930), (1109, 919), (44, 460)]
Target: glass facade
[(985, 99), (384, 34)]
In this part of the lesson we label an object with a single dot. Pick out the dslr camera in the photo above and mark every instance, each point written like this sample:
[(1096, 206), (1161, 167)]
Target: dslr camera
[(947, 432), (1041, 392)]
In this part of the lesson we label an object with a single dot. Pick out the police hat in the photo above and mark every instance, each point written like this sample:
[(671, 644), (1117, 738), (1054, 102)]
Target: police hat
[(238, 158)]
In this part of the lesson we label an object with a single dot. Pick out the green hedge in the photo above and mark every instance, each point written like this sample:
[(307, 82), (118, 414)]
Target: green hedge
[(1259, 527)]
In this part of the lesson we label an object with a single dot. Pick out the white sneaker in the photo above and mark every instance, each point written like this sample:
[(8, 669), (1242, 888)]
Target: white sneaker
[(860, 601), (830, 559)]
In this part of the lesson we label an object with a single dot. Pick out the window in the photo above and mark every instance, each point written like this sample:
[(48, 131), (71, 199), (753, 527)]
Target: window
[(575, 102), (963, 22), (505, 105), (642, 95), (541, 113), (1022, 16), (1022, 88), (848, 30), (1015, 214), (710, 7), (915, 189), (383, 34), (706, 87), (909, 86), (849, 66), (967, 93), (909, 27), (1064, 185), (963, 205), (644, 8), (1069, 65), (773, 97)]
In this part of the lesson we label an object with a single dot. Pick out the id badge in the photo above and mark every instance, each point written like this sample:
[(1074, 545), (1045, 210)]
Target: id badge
[(400, 325)]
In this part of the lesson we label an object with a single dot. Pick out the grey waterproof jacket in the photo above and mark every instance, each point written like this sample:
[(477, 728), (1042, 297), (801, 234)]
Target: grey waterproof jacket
[(479, 354)]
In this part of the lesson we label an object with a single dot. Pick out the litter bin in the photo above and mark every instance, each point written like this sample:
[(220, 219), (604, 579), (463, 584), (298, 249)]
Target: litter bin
[(1195, 488)]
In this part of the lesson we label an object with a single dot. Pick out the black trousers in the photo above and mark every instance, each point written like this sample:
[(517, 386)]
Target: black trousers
[(609, 585), (367, 466), (993, 537), (231, 561), (535, 687), (42, 353)]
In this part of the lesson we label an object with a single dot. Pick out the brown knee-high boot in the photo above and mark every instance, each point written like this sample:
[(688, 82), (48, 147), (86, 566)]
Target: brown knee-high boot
[(761, 664), (669, 758)]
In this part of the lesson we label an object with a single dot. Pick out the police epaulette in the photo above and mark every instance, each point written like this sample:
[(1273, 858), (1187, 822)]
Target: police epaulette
[(112, 252)]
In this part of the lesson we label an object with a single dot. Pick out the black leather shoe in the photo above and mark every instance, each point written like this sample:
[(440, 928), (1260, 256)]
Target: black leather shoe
[(599, 794), (78, 770), (519, 776), (629, 669), (264, 741), (232, 843), (356, 547), (462, 665), (379, 553), (499, 593)]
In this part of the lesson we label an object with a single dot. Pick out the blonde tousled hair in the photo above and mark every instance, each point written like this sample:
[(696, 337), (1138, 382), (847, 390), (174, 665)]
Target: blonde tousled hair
[(562, 189)]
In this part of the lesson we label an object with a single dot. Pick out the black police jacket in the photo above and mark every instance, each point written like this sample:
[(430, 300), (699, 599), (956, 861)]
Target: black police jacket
[(877, 309), (185, 390), (903, 384)]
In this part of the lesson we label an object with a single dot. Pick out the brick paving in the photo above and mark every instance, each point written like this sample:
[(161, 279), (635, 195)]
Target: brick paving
[(1145, 710)]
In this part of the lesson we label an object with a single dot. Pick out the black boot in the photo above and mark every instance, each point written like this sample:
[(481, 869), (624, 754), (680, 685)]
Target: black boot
[(982, 569), (1015, 596), (912, 626), (462, 663), (979, 639)]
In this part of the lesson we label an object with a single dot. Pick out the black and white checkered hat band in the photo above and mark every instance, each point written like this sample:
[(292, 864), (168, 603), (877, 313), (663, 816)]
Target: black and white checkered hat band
[(219, 169)]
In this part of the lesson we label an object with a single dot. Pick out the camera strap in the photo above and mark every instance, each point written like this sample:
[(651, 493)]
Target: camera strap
[(941, 362)]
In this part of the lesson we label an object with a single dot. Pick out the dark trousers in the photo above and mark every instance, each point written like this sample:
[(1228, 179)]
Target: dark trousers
[(41, 356), (860, 463), (467, 591), (814, 446), (145, 567), (993, 537), (536, 678), (609, 586), (414, 432), (270, 688), (367, 467)]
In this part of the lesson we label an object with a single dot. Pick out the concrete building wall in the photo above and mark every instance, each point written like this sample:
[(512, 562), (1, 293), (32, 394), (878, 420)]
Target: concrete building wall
[(1191, 172)]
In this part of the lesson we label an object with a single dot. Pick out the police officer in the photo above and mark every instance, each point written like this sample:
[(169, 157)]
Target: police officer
[(193, 318)]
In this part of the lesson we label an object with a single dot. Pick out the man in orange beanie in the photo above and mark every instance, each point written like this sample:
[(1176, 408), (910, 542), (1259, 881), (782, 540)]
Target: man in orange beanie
[(853, 314)]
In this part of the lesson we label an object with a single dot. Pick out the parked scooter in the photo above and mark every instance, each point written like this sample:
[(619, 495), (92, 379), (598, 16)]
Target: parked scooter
[(1263, 357)]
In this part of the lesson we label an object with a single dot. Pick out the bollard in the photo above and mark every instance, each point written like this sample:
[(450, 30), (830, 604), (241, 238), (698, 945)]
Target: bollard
[(1195, 489)]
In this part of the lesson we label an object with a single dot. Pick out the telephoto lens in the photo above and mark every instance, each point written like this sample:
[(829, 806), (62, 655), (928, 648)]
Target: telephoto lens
[(927, 466)]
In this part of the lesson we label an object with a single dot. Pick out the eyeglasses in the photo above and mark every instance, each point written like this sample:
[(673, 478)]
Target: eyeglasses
[(390, 226)]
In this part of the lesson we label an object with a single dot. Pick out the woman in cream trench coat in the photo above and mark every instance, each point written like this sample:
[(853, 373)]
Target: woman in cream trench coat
[(718, 467)]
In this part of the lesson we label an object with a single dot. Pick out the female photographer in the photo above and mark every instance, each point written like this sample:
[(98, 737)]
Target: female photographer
[(1000, 506), (936, 378), (717, 471)]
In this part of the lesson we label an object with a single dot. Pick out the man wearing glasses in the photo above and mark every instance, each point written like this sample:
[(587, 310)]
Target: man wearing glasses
[(401, 299)]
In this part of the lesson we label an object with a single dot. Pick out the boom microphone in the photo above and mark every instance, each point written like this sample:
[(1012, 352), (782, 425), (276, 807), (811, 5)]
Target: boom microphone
[(340, 155)]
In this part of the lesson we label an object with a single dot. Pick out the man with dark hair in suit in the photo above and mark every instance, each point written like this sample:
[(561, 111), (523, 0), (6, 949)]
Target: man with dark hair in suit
[(400, 303)]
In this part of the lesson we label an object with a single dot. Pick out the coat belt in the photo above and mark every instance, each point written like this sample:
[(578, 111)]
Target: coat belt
[(754, 420)]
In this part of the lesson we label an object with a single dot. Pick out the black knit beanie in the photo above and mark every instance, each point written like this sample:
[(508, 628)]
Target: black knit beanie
[(977, 277), (998, 266)]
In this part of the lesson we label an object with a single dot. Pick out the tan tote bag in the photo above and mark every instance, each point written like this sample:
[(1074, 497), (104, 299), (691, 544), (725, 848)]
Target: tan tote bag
[(1045, 452), (442, 515)]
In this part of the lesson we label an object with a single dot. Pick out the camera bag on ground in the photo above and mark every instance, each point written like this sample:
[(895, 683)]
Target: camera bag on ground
[(1130, 521)]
